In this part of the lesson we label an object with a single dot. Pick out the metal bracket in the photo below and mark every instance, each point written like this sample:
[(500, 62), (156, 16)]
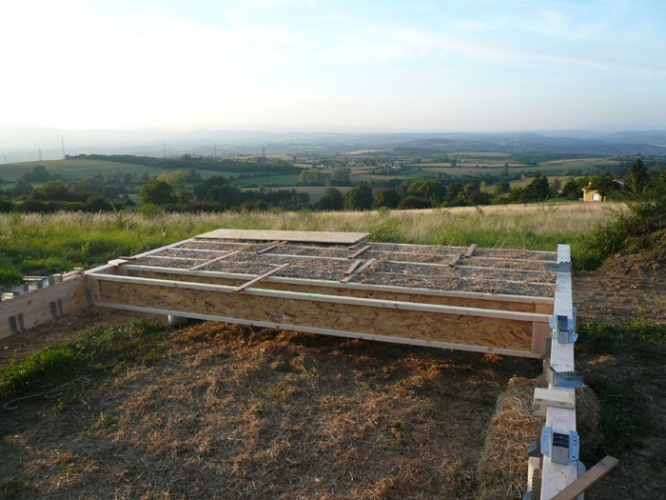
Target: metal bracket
[(561, 448), (567, 380), (563, 329)]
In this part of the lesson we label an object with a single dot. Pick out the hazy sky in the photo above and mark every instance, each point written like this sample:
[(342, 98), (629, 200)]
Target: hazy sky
[(412, 65)]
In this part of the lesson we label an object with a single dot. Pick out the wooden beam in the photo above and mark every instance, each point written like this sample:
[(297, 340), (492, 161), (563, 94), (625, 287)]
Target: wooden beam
[(358, 271), (353, 267), (562, 420), (456, 259), (260, 277), (359, 252), (588, 479), (271, 247), (470, 250), (217, 259)]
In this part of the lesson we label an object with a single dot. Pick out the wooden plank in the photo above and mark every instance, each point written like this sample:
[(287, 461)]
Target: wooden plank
[(346, 238), (35, 306), (588, 479), (470, 250), (212, 261), (456, 259), (270, 247), (540, 334), (353, 267), (259, 278), (359, 252), (358, 270), (411, 321)]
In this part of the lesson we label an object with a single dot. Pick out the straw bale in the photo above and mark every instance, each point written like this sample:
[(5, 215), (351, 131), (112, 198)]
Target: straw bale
[(502, 470)]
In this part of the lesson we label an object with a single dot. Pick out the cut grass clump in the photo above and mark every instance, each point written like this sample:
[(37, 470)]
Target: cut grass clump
[(93, 353)]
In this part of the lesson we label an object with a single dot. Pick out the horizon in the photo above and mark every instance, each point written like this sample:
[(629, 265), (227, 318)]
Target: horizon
[(301, 66)]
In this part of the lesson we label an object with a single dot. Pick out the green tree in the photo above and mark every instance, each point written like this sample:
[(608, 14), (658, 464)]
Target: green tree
[(157, 192), (638, 177), (219, 190), (340, 176), (332, 199), (22, 188), (429, 190), (313, 177), (388, 198), (38, 174), (358, 198), (537, 190)]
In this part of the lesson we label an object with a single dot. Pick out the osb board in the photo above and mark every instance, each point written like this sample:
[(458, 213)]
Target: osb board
[(299, 236), (349, 291), (35, 305), (405, 324)]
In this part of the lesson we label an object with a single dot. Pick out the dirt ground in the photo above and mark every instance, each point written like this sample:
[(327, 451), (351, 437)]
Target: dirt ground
[(383, 417)]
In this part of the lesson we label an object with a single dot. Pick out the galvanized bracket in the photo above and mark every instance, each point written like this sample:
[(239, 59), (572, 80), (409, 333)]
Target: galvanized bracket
[(563, 329), (561, 448), (567, 380)]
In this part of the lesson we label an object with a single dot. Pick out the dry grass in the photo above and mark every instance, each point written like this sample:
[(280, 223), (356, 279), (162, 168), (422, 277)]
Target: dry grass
[(502, 469), (235, 412)]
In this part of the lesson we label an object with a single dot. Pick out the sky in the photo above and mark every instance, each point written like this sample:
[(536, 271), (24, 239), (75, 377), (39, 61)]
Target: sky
[(305, 65)]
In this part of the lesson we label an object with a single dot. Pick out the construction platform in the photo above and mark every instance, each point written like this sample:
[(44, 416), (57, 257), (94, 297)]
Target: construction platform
[(467, 298)]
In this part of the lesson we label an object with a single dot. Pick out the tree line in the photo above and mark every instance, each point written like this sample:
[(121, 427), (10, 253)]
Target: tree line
[(177, 190)]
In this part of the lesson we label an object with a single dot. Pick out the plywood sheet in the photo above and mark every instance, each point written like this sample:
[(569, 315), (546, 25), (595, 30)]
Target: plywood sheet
[(296, 236), (418, 325)]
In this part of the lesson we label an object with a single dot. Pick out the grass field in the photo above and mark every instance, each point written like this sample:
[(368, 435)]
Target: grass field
[(33, 244)]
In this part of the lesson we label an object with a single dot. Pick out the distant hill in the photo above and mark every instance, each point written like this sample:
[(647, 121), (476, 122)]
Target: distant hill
[(25, 143)]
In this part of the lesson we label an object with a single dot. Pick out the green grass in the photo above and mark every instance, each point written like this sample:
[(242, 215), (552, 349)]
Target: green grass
[(92, 354), (33, 244)]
